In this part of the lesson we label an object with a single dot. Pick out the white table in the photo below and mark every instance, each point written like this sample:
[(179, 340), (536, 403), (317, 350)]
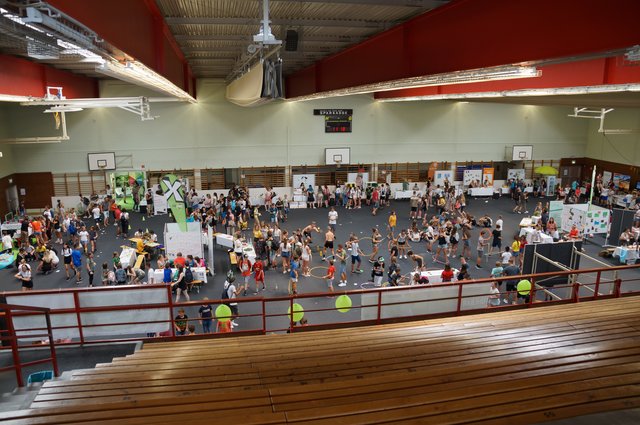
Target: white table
[(247, 249), (505, 190), (224, 240), (528, 189), (526, 222), (403, 194), (626, 254), (127, 257), (199, 273), (11, 227), (535, 219), (530, 232), (435, 276), (481, 191), (621, 200)]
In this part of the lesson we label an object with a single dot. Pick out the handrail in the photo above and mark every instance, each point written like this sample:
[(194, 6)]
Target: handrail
[(17, 365)]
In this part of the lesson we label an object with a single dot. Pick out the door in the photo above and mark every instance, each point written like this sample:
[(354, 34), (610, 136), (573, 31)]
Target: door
[(12, 199)]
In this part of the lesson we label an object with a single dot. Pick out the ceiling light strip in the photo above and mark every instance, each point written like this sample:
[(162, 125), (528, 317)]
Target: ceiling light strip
[(458, 77), (561, 91)]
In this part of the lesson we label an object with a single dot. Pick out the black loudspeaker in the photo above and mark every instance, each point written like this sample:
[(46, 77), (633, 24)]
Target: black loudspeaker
[(291, 41)]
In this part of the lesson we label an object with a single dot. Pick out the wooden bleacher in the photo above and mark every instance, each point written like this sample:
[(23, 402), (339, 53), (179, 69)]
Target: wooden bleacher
[(512, 367)]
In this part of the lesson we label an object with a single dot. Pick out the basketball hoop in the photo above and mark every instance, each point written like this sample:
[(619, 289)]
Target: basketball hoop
[(338, 163)]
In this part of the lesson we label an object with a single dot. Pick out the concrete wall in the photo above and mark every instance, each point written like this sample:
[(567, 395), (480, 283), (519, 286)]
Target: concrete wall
[(7, 160), (622, 148), (214, 133)]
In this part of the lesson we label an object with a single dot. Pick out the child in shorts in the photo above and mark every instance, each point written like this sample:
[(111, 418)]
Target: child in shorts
[(331, 271)]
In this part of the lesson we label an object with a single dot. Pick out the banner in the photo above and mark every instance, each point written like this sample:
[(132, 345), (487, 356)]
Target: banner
[(552, 181), (173, 191), (487, 177), (441, 176), (516, 174), (621, 181), (127, 185), (471, 175), (606, 177)]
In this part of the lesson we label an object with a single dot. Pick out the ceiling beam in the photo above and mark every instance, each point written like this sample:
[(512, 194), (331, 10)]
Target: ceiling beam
[(286, 22), (248, 37), (429, 4)]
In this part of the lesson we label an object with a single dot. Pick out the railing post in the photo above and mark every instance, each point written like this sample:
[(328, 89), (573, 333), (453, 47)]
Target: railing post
[(264, 316), (52, 346), (617, 290), (459, 306), (379, 315), (76, 306), (14, 348), (597, 289), (576, 290), (170, 303), (291, 313), (532, 292)]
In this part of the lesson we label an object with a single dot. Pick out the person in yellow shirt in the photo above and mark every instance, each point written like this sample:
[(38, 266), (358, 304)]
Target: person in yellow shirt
[(515, 249), (393, 219)]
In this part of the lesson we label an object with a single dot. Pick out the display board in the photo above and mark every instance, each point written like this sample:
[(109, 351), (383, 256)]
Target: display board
[(358, 178), (606, 177), (621, 181), (336, 120), (487, 176), (125, 183), (305, 180), (515, 173), (552, 181), (189, 242), (470, 175), (588, 219), (561, 252), (620, 220), (441, 175), (555, 212)]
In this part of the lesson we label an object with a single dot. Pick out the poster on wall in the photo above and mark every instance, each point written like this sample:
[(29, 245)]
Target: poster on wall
[(606, 177), (552, 181), (304, 181), (127, 186), (441, 176), (358, 178), (621, 181), (597, 220), (572, 215), (487, 176), (471, 175), (516, 174)]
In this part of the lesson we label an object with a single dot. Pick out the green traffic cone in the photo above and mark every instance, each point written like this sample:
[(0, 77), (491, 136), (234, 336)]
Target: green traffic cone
[(129, 227), (143, 219)]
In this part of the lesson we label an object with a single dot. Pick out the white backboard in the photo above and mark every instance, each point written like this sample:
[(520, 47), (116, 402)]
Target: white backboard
[(102, 161), (522, 153), (337, 156)]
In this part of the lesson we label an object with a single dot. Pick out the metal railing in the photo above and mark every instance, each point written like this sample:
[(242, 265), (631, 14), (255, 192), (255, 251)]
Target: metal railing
[(9, 311), (84, 322)]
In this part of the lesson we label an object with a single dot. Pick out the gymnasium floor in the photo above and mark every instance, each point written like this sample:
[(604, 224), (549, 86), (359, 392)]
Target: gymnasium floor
[(358, 221)]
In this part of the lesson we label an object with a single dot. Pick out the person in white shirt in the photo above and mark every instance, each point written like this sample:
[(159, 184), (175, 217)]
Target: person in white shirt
[(506, 256), (84, 237), (97, 215), (333, 218), (7, 242), (499, 222)]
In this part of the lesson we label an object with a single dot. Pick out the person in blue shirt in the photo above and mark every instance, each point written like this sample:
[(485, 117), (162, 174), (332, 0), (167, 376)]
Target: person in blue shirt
[(167, 277), (293, 277), (76, 259)]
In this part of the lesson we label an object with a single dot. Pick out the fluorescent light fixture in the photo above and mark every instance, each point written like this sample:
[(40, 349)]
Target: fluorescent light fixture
[(561, 91), (72, 49), (63, 109), (12, 98), (136, 73), (458, 77)]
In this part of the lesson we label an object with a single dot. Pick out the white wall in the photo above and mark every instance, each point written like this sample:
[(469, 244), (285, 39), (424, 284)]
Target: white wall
[(7, 160), (622, 148), (214, 133)]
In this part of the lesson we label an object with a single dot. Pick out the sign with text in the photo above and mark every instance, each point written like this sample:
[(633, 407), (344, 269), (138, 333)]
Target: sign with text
[(336, 120)]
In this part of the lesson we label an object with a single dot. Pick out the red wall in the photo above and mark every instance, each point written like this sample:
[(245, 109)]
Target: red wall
[(468, 34), (22, 77)]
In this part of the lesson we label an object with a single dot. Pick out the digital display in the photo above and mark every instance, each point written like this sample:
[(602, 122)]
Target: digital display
[(337, 124)]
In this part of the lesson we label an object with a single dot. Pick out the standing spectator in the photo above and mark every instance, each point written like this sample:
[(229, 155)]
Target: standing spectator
[(76, 257), (333, 218), (180, 322), (497, 239), (258, 270), (91, 268), (231, 292), (245, 269), (24, 275), (181, 285), (511, 270), (341, 257), (206, 317), (331, 271)]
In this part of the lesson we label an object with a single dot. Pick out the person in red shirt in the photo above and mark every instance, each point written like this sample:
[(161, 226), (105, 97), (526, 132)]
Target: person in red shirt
[(375, 198), (258, 270), (245, 269), (179, 261), (574, 233), (447, 274), (331, 272)]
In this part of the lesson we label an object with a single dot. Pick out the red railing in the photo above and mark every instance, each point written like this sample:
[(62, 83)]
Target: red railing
[(265, 315), (12, 335)]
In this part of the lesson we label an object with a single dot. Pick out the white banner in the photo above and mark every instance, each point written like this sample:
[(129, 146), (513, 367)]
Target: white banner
[(305, 180), (516, 174), (441, 175), (471, 175)]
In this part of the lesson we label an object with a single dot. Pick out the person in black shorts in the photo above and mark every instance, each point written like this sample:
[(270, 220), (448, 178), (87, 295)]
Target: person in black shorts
[(511, 270), (497, 239)]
